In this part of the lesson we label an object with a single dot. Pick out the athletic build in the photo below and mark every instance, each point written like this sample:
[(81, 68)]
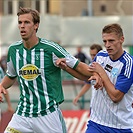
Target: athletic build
[(112, 106), (32, 61)]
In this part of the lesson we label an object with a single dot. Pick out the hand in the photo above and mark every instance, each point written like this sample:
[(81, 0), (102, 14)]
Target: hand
[(2, 90), (61, 63), (98, 81), (10, 109), (75, 100), (96, 67)]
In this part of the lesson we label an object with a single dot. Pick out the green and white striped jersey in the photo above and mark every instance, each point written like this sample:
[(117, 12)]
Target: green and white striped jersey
[(38, 76)]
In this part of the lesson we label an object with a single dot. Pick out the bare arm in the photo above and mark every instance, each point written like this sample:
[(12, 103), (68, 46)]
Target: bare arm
[(62, 64), (84, 89), (83, 69), (81, 72), (5, 84), (76, 74), (9, 108), (114, 94)]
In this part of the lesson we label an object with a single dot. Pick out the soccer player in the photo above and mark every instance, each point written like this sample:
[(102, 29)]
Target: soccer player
[(94, 49), (32, 61), (111, 109)]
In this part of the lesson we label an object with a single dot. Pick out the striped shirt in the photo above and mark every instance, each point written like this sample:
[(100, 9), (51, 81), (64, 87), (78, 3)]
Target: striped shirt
[(104, 111), (38, 76)]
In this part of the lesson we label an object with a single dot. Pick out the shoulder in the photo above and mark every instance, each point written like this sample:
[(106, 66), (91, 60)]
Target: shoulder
[(126, 58), (102, 53), (48, 44), (127, 61), (16, 44)]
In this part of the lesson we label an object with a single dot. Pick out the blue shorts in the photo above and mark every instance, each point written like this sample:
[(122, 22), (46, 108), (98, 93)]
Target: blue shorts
[(93, 127)]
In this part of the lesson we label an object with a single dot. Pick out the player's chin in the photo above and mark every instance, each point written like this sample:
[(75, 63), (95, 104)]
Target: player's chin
[(24, 38)]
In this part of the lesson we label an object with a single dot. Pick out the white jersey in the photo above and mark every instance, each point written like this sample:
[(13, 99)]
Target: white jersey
[(104, 111)]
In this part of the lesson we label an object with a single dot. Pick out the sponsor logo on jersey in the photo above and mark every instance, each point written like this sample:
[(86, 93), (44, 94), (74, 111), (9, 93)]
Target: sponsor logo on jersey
[(108, 68), (29, 72), (113, 71)]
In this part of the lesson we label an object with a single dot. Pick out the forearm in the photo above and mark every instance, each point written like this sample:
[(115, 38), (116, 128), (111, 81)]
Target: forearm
[(76, 74), (113, 93), (7, 82), (83, 69), (7, 98)]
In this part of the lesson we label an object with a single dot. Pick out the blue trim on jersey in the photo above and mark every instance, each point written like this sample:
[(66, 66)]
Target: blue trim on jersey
[(93, 127), (101, 53), (125, 78)]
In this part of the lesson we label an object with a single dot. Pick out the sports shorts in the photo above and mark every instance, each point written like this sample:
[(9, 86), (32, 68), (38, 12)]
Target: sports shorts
[(51, 123), (93, 127)]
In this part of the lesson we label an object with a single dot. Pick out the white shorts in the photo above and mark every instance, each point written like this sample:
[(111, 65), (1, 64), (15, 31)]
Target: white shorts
[(51, 123)]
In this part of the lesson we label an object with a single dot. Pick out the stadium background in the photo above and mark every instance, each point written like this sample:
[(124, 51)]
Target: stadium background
[(69, 23)]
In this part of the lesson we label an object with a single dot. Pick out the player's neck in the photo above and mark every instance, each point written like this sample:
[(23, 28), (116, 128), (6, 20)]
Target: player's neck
[(31, 42), (117, 55)]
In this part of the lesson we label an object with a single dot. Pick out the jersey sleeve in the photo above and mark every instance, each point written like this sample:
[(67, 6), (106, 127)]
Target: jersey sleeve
[(10, 69), (60, 52), (125, 79)]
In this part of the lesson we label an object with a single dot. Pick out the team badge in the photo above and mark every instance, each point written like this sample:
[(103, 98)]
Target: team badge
[(114, 72)]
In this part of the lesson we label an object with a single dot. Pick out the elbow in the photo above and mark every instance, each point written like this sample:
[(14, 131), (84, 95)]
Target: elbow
[(116, 96), (116, 99)]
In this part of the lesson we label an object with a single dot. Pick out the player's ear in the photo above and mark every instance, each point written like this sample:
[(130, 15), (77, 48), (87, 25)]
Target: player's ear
[(36, 26), (122, 39)]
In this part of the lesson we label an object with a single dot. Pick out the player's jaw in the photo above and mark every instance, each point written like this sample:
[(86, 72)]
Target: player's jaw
[(26, 34)]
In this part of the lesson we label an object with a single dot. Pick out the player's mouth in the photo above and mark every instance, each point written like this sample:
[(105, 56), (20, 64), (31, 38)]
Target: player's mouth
[(109, 50), (23, 33)]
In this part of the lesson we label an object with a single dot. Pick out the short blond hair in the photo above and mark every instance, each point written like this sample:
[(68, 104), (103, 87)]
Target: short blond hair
[(116, 28)]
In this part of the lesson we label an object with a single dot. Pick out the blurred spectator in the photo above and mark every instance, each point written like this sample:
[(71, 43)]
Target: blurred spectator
[(81, 56)]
